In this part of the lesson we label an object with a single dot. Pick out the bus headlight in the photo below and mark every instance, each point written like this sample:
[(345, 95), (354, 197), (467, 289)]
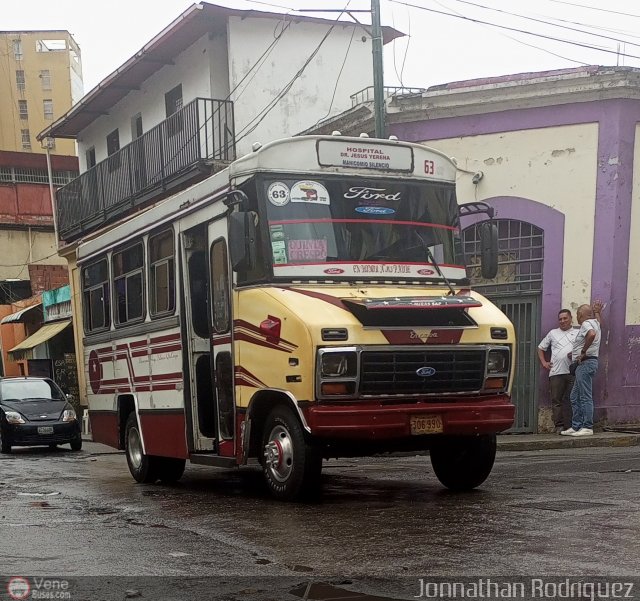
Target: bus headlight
[(337, 372), (338, 365), (498, 361)]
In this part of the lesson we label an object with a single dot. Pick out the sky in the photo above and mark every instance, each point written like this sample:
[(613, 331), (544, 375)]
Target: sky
[(472, 39)]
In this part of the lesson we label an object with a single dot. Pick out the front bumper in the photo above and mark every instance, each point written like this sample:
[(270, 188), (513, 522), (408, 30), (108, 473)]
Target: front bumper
[(27, 435), (385, 420)]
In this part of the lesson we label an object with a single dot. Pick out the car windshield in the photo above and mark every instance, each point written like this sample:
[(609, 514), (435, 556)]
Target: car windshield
[(362, 228), (26, 390)]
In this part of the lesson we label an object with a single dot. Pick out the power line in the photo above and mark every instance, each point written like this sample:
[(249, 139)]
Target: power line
[(335, 88), (505, 12), (523, 43), (604, 10), (249, 128), (515, 29)]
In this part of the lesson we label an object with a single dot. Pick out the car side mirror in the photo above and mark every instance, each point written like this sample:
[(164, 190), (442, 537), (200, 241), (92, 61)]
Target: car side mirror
[(242, 240), (488, 231)]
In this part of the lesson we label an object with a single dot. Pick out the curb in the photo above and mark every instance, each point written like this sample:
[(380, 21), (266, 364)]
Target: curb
[(543, 442)]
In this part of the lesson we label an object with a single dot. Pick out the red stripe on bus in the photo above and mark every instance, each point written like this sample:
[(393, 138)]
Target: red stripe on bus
[(389, 221)]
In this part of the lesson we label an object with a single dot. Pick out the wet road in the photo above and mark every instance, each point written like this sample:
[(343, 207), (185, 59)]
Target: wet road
[(569, 512)]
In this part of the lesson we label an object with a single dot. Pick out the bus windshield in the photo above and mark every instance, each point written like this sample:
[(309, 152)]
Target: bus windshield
[(342, 227)]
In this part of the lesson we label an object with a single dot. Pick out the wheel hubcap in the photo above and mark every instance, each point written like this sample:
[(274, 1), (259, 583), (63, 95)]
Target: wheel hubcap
[(278, 454), (134, 448)]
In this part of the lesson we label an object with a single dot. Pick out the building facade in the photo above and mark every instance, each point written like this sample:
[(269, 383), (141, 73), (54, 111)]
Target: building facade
[(558, 156), (42, 78)]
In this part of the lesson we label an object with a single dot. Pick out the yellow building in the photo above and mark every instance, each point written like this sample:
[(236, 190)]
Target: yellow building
[(40, 79)]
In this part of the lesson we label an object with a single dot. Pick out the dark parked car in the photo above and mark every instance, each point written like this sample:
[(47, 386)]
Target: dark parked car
[(33, 412)]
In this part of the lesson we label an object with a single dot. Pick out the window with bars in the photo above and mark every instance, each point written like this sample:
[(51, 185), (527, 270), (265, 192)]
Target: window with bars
[(520, 257), (17, 50), (45, 78), (20, 81), (26, 139), (23, 109), (47, 106)]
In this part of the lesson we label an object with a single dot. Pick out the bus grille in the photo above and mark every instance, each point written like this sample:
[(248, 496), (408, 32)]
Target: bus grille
[(394, 373)]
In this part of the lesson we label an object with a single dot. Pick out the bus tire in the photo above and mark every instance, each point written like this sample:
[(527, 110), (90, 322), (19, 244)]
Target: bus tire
[(169, 469), (142, 467), (290, 464), (464, 462)]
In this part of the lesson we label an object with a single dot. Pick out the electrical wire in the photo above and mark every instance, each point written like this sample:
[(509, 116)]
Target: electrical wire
[(528, 18), (522, 42), (604, 10), (515, 29), (335, 88), (255, 122)]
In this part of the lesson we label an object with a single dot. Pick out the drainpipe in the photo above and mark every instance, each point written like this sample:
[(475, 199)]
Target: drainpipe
[(48, 144)]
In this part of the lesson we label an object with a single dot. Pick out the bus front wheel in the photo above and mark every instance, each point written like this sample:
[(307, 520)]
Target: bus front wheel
[(142, 467), (291, 465), (464, 462)]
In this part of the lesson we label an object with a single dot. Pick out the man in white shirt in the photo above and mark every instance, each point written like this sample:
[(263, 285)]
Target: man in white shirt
[(560, 341), (586, 348)]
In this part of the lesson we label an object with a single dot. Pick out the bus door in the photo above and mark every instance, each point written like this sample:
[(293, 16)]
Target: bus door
[(222, 362), (195, 266)]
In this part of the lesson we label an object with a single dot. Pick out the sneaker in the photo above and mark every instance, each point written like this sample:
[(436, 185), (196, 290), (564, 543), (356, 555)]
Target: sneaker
[(568, 432), (583, 432)]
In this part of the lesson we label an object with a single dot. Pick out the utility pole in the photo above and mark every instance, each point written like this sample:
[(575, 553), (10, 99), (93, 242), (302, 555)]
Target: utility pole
[(378, 76)]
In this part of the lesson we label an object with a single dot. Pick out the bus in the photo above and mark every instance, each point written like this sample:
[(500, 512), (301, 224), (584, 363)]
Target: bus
[(308, 302)]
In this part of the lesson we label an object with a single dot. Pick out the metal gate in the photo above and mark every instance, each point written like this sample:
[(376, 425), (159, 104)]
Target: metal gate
[(517, 291), (523, 311)]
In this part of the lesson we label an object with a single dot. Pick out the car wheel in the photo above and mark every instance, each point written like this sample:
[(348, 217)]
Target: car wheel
[(5, 445), (142, 467), (53, 446), (169, 469), (290, 464), (76, 445), (464, 462)]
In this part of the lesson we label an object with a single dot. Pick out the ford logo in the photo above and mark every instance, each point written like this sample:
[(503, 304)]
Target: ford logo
[(375, 210), (426, 271), (425, 372), (334, 271)]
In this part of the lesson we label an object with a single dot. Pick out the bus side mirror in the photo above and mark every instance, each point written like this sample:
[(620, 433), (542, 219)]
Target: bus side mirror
[(242, 240), (488, 249)]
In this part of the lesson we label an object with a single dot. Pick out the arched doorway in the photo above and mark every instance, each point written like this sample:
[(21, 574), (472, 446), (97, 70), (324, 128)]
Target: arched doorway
[(517, 290)]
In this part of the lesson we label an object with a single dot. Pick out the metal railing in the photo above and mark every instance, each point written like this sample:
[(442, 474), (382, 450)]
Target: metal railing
[(366, 95), (203, 130)]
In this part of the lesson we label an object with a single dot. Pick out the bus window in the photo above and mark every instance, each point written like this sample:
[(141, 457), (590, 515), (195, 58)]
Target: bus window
[(162, 287), (128, 284), (220, 287), (95, 291)]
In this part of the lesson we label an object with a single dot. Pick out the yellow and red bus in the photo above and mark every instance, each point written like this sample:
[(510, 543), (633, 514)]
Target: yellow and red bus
[(308, 302)]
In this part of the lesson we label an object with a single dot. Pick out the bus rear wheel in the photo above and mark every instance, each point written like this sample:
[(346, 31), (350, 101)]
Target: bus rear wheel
[(291, 465), (143, 467), (464, 462)]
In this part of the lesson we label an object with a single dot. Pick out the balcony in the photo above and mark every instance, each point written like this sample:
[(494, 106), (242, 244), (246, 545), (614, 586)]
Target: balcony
[(176, 151)]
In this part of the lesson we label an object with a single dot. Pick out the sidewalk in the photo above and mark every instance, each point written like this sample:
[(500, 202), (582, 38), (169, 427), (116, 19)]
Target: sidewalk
[(543, 442)]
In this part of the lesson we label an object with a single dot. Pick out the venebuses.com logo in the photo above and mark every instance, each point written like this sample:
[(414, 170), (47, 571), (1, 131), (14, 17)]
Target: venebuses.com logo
[(18, 588)]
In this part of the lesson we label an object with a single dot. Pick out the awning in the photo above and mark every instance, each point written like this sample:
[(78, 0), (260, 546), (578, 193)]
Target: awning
[(18, 316), (46, 332)]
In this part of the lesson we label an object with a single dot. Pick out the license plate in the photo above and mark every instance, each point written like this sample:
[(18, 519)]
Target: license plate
[(426, 424), (45, 429)]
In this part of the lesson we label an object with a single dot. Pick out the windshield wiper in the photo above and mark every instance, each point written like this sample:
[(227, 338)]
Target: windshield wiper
[(435, 263)]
